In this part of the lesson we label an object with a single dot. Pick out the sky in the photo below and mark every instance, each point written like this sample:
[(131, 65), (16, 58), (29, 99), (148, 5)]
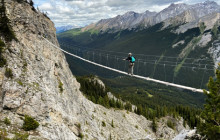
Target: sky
[(80, 13)]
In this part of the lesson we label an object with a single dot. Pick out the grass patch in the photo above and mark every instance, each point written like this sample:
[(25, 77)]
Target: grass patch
[(7, 121), (29, 123), (60, 86), (20, 82), (36, 85), (8, 73), (81, 135), (25, 66), (112, 124), (94, 31), (103, 124)]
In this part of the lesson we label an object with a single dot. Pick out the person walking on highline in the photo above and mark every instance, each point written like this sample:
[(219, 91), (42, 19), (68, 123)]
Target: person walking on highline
[(131, 60)]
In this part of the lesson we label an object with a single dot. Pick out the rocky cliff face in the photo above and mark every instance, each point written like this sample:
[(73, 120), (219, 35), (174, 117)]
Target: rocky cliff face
[(42, 86)]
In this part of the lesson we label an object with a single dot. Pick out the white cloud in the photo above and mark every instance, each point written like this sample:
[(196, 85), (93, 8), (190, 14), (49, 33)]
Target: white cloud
[(157, 8), (84, 12), (46, 7)]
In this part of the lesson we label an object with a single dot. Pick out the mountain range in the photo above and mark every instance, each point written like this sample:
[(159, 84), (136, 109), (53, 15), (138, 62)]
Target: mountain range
[(132, 20)]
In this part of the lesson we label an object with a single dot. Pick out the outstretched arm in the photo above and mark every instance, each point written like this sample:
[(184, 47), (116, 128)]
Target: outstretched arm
[(126, 58)]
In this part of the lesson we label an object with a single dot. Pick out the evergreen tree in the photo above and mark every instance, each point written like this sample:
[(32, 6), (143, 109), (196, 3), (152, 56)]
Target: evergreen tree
[(128, 106), (210, 124), (154, 125), (139, 110), (31, 3)]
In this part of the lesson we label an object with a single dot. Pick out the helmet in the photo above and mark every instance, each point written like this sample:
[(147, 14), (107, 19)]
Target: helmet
[(129, 54)]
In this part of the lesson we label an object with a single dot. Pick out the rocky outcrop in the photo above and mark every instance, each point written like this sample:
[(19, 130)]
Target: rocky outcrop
[(43, 87), (210, 21)]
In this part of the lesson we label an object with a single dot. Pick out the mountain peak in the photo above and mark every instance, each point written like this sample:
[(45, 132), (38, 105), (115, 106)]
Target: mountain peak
[(130, 13), (176, 6)]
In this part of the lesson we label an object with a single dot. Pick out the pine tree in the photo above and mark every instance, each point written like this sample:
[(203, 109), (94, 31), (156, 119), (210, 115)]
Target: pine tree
[(139, 110), (31, 3), (210, 124), (154, 126)]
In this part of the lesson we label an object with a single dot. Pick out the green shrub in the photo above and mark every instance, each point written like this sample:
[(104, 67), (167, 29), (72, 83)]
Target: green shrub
[(24, 65), (81, 135), (7, 121), (112, 124), (2, 59), (60, 86), (79, 126), (154, 126), (29, 123), (8, 73), (103, 124), (2, 45), (20, 82)]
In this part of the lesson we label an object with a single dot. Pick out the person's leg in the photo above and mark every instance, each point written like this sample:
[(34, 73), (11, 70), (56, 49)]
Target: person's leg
[(129, 68), (132, 68)]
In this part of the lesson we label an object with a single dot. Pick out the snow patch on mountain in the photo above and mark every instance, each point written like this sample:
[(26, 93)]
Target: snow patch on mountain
[(178, 43)]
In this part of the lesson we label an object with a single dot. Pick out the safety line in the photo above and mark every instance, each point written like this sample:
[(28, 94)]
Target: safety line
[(188, 58), (151, 60), (125, 73)]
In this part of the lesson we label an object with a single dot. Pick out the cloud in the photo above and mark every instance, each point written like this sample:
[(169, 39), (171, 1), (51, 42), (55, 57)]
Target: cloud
[(46, 7), (84, 12)]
